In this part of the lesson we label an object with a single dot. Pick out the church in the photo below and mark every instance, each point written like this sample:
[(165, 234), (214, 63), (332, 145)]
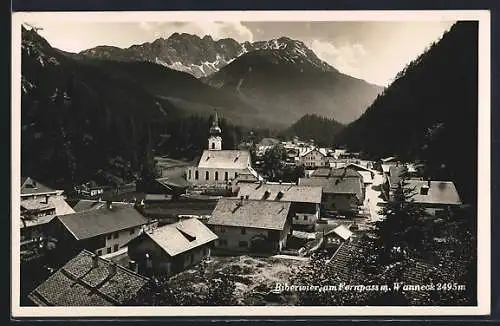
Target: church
[(218, 167)]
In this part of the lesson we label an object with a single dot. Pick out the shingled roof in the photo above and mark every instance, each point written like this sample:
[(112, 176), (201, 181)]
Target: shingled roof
[(260, 214), (440, 192), (180, 237), (30, 186), (90, 223), (336, 185), (225, 159), (281, 192), (80, 283)]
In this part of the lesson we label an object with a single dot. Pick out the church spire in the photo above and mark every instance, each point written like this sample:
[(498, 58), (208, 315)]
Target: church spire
[(215, 129), (215, 139)]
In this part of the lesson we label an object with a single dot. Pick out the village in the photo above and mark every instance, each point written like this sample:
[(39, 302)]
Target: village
[(219, 216)]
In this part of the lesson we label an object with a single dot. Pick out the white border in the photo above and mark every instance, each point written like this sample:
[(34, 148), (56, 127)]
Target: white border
[(484, 268)]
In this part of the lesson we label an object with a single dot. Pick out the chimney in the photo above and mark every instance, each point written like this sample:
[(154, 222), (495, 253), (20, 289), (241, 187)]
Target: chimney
[(109, 204), (95, 261), (132, 265)]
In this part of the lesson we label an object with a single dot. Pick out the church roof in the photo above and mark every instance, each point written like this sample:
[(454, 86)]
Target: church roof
[(225, 159)]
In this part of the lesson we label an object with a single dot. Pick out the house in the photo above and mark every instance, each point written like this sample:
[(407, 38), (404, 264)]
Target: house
[(169, 212), (89, 190), (102, 231), (313, 158), (366, 173), (305, 200), (341, 195), (247, 176), (337, 236), (436, 197), (153, 199), (88, 280), (245, 225), (172, 248), (39, 205), (217, 167), (173, 185)]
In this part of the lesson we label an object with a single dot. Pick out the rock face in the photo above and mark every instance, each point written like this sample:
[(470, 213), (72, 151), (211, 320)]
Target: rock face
[(282, 78), (184, 52), (200, 57)]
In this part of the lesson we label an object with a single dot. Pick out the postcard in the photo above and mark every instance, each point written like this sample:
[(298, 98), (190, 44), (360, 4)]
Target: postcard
[(250, 163)]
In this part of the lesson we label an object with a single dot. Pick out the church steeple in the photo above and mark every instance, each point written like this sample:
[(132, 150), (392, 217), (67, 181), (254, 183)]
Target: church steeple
[(215, 129), (215, 138)]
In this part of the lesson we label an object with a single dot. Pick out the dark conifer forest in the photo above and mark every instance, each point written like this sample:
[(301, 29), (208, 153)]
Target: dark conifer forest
[(429, 113)]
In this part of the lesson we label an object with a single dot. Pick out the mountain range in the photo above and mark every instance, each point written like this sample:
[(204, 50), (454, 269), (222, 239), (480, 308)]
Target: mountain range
[(281, 80)]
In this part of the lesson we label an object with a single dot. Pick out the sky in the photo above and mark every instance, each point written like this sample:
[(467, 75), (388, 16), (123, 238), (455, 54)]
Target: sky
[(371, 50)]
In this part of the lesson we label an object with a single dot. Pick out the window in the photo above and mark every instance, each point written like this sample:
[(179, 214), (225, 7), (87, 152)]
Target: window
[(189, 174), (99, 252), (196, 176), (213, 145), (207, 175), (222, 229), (243, 231), (226, 176), (222, 242), (132, 230), (109, 236), (235, 175), (108, 249), (216, 175), (243, 244), (305, 218), (115, 247), (115, 235)]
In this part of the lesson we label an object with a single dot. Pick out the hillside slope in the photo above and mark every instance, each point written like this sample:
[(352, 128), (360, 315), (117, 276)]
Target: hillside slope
[(430, 112), (290, 83)]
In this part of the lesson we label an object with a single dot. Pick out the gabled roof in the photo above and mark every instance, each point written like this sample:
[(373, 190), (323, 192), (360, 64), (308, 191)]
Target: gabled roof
[(322, 151), (79, 283), (30, 186), (359, 167), (56, 202), (88, 204), (321, 173), (342, 231), (173, 181), (344, 172), (281, 192), (225, 159), (181, 236), (260, 214), (91, 223), (336, 185), (440, 192)]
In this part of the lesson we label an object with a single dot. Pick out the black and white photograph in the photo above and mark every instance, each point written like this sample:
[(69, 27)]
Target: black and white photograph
[(200, 163)]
